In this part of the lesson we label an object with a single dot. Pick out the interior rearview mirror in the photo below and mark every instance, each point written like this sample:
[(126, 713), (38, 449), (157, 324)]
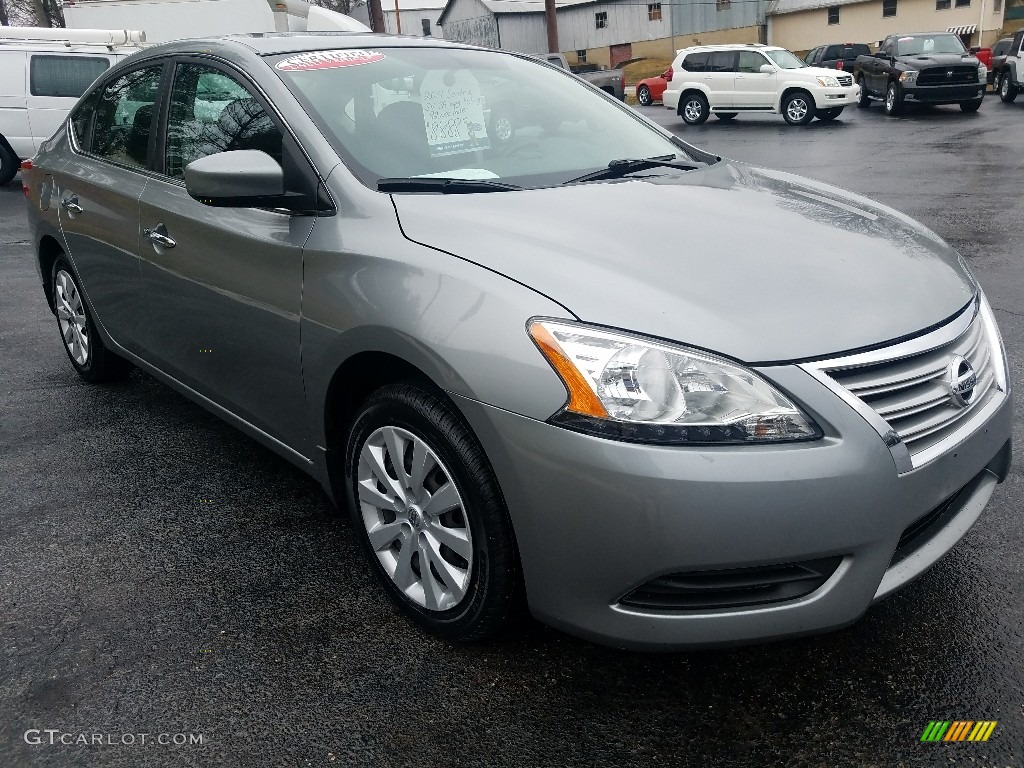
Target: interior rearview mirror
[(244, 178)]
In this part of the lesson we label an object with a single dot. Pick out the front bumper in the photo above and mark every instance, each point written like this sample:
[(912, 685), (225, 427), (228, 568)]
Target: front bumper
[(595, 518), (943, 94), (827, 98)]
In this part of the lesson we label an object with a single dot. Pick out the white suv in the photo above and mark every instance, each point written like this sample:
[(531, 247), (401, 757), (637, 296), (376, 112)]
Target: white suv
[(729, 79), (42, 74)]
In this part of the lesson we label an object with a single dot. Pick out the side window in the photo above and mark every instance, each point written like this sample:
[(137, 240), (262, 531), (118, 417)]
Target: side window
[(696, 62), (124, 116), (722, 61), (808, 59), (64, 76), (81, 119), (212, 112), (751, 61)]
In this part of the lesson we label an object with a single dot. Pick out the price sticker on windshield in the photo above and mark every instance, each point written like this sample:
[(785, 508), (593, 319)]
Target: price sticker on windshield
[(328, 60), (453, 113)]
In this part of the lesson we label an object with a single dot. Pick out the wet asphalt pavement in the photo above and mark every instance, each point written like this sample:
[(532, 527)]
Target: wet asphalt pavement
[(160, 573)]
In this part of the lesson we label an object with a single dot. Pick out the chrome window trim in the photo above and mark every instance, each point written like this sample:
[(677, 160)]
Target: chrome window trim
[(904, 461)]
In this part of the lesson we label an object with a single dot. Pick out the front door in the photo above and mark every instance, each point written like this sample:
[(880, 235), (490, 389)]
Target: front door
[(222, 287), (755, 89), (99, 192)]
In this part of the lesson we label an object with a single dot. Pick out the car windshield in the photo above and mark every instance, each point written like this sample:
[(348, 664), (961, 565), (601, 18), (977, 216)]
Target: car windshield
[(928, 44), (785, 59), (465, 114)]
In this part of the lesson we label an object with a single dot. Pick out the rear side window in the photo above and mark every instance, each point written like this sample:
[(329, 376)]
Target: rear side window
[(212, 112), (124, 116), (722, 61), (64, 76), (696, 62)]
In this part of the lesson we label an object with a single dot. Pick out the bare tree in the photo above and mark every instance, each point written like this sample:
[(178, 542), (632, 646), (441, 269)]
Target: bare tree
[(340, 6), (4, 19), (31, 13)]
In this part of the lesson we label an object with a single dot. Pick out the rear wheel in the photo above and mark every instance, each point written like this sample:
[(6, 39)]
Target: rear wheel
[(428, 512), (798, 108), (825, 115), (1007, 89), (90, 358), (693, 108), (970, 106), (643, 95), (893, 100), (8, 163), (864, 100), (726, 116)]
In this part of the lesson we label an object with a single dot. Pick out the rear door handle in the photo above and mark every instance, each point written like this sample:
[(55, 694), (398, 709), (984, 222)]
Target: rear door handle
[(71, 205), (158, 236)]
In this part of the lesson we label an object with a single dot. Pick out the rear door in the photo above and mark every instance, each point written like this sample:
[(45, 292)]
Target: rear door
[(55, 83), (99, 194), (222, 287), (720, 78)]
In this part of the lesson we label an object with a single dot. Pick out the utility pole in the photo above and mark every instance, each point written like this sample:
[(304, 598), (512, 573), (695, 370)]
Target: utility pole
[(552, 21), (376, 16), (398, 20)]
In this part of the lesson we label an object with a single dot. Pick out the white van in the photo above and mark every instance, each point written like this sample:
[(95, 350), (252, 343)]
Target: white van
[(42, 73)]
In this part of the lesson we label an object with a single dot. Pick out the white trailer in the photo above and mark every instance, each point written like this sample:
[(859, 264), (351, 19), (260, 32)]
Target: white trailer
[(164, 20)]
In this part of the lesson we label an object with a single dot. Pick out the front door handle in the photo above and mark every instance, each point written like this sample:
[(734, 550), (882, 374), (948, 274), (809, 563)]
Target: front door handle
[(158, 236), (71, 205)]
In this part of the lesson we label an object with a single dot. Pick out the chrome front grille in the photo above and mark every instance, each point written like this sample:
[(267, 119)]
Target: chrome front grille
[(845, 80), (910, 389)]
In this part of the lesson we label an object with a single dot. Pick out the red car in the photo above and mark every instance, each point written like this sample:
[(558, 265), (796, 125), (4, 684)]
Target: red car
[(649, 90)]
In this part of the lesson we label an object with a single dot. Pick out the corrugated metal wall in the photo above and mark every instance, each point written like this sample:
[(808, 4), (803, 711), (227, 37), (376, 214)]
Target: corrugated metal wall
[(469, 21), (627, 22), (704, 16), (524, 32)]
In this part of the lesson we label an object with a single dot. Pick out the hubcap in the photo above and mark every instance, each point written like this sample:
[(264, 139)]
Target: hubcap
[(415, 518), (890, 98), (644, 96), (1004, 85), (797, 109), (71, 317), (694, 109)]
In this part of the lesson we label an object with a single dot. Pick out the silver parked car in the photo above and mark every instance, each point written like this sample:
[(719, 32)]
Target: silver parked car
[(721, 435)]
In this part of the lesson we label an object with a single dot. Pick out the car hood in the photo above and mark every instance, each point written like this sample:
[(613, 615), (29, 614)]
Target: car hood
[(819, 71), (920, 61), (759, 265)]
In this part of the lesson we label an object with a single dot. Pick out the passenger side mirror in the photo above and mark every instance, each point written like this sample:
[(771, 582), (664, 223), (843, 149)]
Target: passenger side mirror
[(767, 69), (245, 178)]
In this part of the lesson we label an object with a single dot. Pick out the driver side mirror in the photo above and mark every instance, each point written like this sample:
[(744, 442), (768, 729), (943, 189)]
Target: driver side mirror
[(244, 178), (767, 69)]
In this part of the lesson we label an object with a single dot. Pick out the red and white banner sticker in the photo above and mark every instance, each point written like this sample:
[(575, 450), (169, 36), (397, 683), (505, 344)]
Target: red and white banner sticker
[(328, 60)]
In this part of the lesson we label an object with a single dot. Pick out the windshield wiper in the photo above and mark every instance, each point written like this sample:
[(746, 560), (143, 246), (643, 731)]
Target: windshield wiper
[(618, 168), (443, 186)]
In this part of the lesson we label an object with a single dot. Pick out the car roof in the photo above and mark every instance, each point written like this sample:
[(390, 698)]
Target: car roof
[(732, 47), (273, 43)]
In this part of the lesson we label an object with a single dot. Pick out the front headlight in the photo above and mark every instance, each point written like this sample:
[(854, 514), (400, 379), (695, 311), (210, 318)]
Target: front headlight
[(908, 77), (631, 388), (828, 82), (982, 72)]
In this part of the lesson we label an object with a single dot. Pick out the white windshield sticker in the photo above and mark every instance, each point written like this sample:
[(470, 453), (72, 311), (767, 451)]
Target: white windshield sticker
[(453, 112), (474, 174), (328, 60)]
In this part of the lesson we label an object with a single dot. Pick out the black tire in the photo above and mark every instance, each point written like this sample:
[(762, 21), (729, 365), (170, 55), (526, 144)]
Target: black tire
[(893, 99), (86, 351), (827, 115), (643, 95), (798, 108), (8, 164), (726, 116), (492, 588), (1007, 89), (864, 100), (970, 106), (694, 109)]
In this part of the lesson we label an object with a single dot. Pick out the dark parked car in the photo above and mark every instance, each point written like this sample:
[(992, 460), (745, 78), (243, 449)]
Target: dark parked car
[(999, 51), (837, 55), (1009, 70), (923, 68)]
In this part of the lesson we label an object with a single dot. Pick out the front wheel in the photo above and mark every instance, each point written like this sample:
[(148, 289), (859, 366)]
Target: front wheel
[(8, 164), (825, 115), (893, 100), (89, 356), (970, 106), (1007, 88), (726, 116), (798, 108), (429, 514), (693, 108), (643, 95)]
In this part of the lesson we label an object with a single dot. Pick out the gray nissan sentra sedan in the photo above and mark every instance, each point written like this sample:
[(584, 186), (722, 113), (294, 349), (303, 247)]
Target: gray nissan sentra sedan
[(401, 264)]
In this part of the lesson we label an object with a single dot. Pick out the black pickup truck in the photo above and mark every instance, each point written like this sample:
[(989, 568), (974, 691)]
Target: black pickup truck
[(932, 68)]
